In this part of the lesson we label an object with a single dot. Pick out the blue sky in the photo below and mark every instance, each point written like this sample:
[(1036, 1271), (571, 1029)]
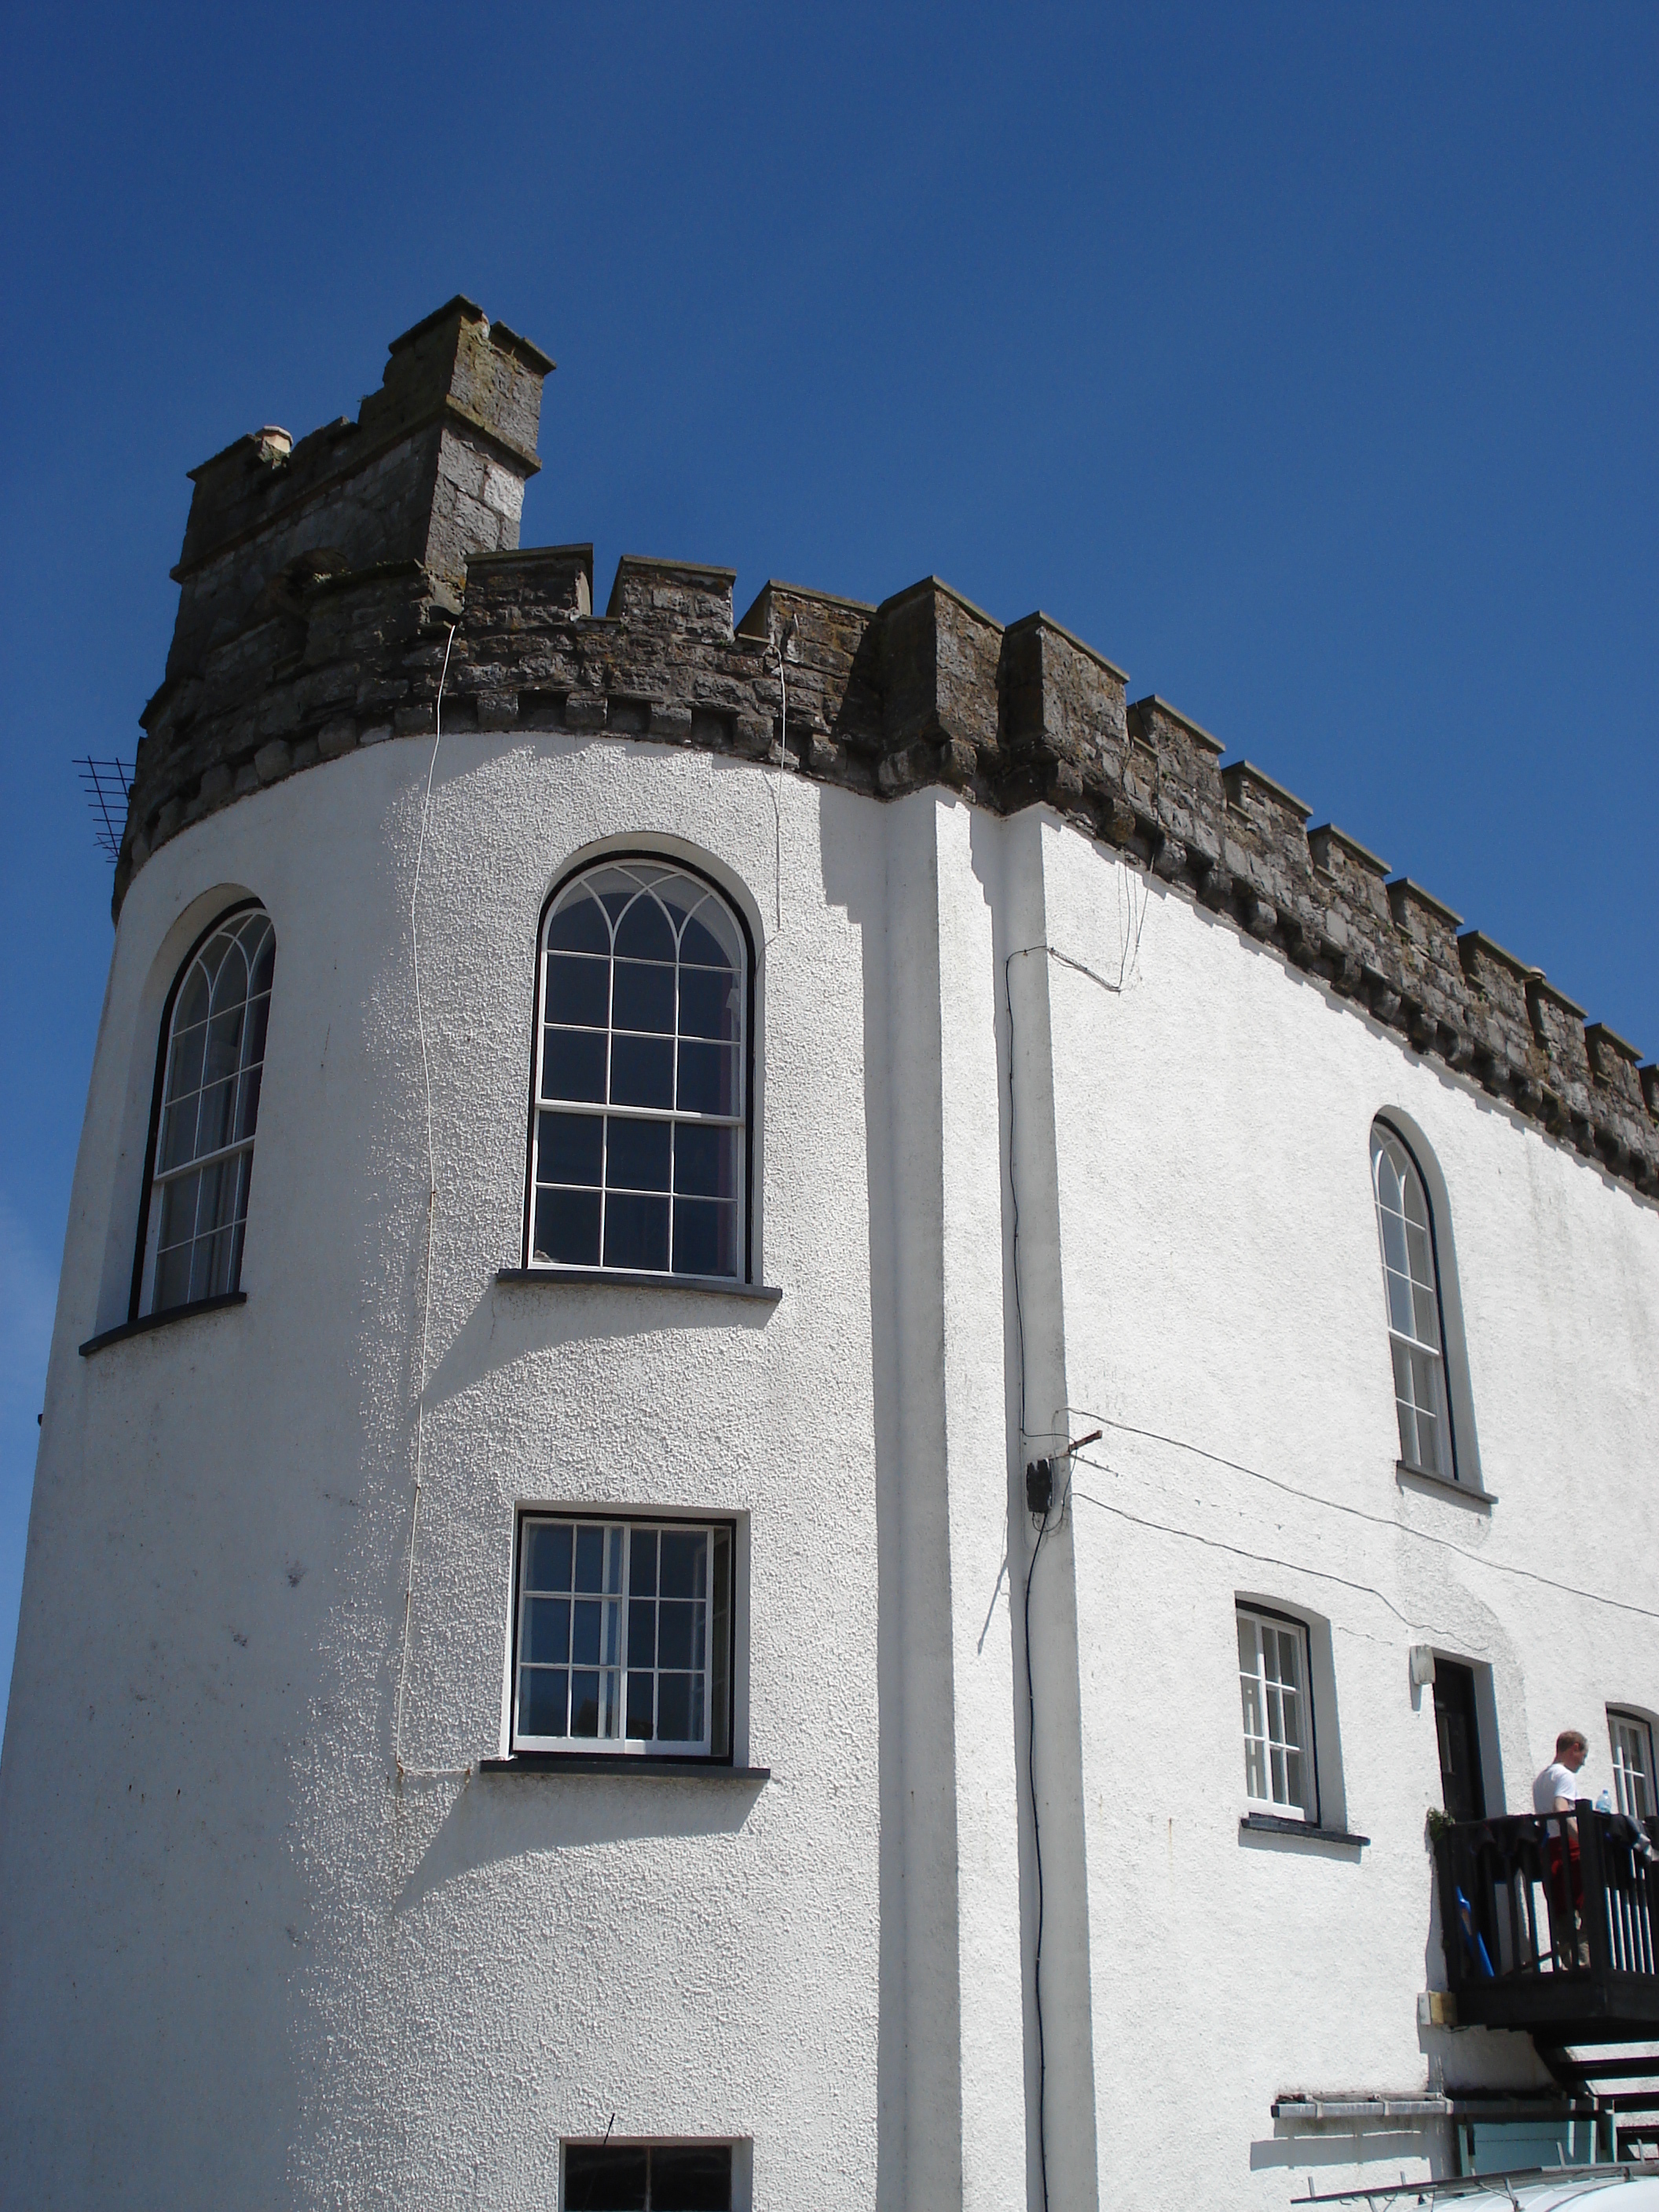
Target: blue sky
[(1301, 359)]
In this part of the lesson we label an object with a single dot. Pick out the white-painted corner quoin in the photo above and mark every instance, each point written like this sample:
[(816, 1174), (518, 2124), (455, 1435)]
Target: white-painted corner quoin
[(848, 1448)]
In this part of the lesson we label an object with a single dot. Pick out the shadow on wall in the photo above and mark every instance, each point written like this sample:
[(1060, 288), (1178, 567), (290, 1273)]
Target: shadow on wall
[(514, 1320), (511, 1816), (1290, 2145)]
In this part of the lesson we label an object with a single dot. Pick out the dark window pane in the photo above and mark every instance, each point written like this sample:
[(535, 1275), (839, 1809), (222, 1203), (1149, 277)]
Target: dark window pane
[(705, 1161), (691, 2177), (590, 1559), (570, 1148), (636, 1232), (708, 1003), (584, 1638), (640, 1689), (709, 1079), (583, 1704), (547, 1631), (179, 1133), (699, 947), (173, 1279), (642, 1072), (264, 966), (572, 1065), (247, 1103), (644, 934), (684, 1563), (578, 991), (547, 1556), (578, 927), (704, 1238), (642, 1562), (604, 2178), (674, 1633), (568, 1227), (636, 1155), (184, 1064), (192, 1011), (674, 1709), (642, 1633), (224, 1044), (214, 1115), (645, 997), (542, 1691)]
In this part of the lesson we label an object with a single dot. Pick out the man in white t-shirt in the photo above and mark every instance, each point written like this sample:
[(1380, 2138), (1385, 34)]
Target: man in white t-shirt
[(1556, 1791)]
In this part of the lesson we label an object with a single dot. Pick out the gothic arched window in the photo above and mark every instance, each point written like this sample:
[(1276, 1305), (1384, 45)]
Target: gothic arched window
[(639, 1137), (207, 1103), (1411, 1274)]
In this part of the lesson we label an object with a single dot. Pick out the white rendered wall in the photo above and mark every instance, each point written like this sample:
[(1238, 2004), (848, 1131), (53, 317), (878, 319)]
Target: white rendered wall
[(240, 1965), (252, 1971), (1223, 1288)]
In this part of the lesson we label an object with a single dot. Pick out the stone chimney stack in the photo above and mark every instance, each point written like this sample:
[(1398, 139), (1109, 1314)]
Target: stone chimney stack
[(433, 470), (315, 576)]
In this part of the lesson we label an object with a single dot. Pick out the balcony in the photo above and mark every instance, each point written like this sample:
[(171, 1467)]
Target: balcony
[(1562, 1944)]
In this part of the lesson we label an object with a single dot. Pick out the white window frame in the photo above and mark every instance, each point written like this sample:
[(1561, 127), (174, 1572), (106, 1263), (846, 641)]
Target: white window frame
[(1633, 1781), (236, 1155), (650, 869), (715, 1745), (1269, 1746), (1418, 1352)]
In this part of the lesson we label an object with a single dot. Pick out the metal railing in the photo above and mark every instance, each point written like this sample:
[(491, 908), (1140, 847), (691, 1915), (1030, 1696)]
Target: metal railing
[(1569, 1906)]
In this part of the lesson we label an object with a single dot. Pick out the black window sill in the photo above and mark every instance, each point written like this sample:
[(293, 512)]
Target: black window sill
[(1444, 1486), (624, 1279), (1305, 1832), (148, 1321), (624, 1769)]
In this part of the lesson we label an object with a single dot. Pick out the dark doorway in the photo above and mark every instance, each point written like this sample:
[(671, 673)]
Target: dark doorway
[(1459, 1734)]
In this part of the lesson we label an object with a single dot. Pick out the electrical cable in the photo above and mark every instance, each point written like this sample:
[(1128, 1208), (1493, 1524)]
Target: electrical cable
[(1359, 1513), (422, 1773), (1036, 1860)]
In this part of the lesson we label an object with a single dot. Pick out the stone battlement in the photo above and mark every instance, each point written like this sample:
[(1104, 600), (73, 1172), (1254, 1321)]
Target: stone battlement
[(282, 657)]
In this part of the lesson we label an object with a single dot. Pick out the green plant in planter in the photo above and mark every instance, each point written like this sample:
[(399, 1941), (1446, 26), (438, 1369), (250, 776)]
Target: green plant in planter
[(1439, 1823)]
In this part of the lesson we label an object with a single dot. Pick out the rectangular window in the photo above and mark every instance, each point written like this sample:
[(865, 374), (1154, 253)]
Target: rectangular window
[(1632, 1764), (624, 1637), (613, 2177), (1273, 1680)]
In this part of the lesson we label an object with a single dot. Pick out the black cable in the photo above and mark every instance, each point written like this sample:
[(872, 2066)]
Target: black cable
[(1036, 1856)]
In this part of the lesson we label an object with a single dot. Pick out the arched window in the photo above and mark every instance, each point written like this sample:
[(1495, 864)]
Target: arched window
[(1416, 1331), (639, 1149), (207, 1105)]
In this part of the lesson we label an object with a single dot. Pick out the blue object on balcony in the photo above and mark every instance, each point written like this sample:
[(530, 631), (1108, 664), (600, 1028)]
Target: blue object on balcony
[(1473, 1942)]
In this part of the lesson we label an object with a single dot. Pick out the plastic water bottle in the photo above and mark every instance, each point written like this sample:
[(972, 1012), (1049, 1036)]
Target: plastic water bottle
[(1604, 1803)]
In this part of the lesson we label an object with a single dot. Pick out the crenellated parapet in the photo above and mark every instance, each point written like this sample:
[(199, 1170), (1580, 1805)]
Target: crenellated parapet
[(324, 588)]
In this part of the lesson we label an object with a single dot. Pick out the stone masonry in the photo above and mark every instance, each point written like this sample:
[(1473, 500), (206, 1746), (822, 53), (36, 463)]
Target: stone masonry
[(323, 583)]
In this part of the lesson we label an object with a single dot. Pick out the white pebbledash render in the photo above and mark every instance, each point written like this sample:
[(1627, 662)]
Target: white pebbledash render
[(806, 1160)]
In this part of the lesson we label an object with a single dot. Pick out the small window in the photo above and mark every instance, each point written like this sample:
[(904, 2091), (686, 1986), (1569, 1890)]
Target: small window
[(1632, 1764), (639, 1139), (1411, 1280), (201, 1159), (613, 2177), (1274, 1684), (625, 1637)]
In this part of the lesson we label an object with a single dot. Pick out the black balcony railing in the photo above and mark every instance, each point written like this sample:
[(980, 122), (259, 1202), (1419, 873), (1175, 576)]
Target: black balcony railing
[(1557, 1934)]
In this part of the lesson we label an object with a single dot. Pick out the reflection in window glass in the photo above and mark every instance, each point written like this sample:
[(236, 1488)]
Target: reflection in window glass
[(196, 1203), (639, 1120)]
